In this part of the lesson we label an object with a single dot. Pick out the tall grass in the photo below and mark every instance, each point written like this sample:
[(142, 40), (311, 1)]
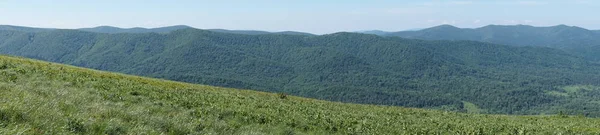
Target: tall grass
[(45, 98)]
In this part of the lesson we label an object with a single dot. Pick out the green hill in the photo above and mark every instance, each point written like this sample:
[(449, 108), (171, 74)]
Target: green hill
[(346, 67), (574, 39), (374, 32), (257, 32), (23, 29), (46, 98), (113, 30), (559, 36)]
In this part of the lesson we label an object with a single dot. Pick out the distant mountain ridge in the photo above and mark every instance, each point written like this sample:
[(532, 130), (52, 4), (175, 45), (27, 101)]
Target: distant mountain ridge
[(111, 29), (258, 32), (114, 30), (24, 29), (570, 38), (374, 32), (383, 33), (551, 36)]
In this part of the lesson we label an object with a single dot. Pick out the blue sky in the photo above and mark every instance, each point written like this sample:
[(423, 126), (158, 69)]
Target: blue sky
[(315, 16)]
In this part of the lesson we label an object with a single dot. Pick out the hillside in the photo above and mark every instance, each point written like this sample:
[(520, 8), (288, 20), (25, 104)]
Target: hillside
[(570, 38), (114, 30), (23, 29), (374, 32), (110, 29), (46, 98), (346, 67), (257, 32)]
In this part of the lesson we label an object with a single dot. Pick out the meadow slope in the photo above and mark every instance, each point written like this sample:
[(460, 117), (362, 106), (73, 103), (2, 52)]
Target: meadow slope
[(39, 97)]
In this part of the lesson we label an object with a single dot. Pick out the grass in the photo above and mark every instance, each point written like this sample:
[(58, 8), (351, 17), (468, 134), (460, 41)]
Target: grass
[(578, 88), (38, 97), (471, 108), (573, 90)]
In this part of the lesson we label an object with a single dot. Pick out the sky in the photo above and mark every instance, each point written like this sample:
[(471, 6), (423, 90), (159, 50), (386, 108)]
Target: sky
[(314, 16)]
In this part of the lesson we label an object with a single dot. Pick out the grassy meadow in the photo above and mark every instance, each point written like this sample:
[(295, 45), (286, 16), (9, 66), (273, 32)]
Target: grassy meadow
[(39, 97)]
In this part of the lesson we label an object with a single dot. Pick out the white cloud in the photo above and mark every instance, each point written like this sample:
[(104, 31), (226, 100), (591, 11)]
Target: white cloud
[(477, 21)]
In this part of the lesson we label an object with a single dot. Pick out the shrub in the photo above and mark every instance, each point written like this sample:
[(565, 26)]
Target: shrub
[(282, 95), (12, 78), (562, 114), (11, 116), (76, 125)]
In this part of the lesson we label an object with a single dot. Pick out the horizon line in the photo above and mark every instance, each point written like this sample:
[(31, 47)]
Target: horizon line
[(354, 31)]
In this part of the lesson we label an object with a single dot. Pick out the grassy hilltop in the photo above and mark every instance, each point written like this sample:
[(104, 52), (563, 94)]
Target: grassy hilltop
[(38, 97)]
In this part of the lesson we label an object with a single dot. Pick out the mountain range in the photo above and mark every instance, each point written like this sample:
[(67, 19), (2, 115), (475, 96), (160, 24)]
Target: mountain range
[(573, 39), (465, 76), (110, 29), (116, 30)]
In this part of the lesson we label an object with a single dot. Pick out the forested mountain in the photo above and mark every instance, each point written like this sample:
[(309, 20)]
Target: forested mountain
[(374, 32), (113, 30), (39, 97), (110, 29), (570, 38), (360, 68), (21, 28), (257, 32)]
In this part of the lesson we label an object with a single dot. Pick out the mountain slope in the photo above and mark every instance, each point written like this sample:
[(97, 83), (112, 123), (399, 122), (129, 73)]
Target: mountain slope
[(347, 67), (519, 35), (574, 39), (374, 32), (257, 32), (110, 29), (47, 98), (113, 30), (21, 28)]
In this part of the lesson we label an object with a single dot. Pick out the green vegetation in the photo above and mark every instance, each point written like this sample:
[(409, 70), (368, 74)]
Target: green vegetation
[(24, 29), (113, 30), (580, 88), (471, 108), (46, 98), (256, 32), (346, 67), (582, 99), (576, 40)]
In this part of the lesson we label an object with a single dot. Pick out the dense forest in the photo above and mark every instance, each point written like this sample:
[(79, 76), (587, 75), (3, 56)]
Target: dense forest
[(465, 76), (39, 97), (573, 39)]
